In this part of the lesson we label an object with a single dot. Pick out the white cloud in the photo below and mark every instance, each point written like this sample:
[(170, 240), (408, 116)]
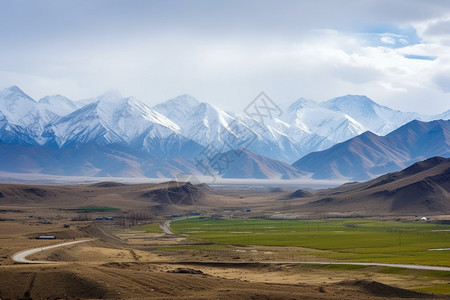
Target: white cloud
[(435, 30), (227, 54), (387, 39), (442, 80), (439, 27)]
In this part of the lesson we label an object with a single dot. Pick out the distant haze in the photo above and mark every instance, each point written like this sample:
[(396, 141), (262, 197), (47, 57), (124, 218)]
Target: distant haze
[(226, 52)]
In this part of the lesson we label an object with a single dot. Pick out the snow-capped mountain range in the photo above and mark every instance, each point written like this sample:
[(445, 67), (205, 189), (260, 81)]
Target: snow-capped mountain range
[(184, 127), (369, 155)]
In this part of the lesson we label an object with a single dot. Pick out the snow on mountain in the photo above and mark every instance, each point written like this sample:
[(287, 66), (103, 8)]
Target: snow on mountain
[(318, 126), (58, 104), (83, 126), (291, 111), (186, 128), (443, 116), (304, 127), (271, 138), (199, 121), (374, 117), (110, 120), (130, 117), (178, 109), (313, 127), (13, 134), (219, 131), (369, 155), (311, 117), (21, 110)]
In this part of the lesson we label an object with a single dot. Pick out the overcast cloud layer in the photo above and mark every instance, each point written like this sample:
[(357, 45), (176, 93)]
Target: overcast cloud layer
[(226, 52)]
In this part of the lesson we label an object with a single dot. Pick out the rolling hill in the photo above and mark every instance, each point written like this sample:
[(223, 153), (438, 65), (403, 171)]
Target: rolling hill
[(422, 188)]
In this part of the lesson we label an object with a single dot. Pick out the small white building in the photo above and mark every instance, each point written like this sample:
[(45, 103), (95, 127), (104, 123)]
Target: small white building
[(424, 219)]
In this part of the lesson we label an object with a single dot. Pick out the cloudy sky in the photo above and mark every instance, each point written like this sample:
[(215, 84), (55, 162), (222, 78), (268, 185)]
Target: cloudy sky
[(397, 52)]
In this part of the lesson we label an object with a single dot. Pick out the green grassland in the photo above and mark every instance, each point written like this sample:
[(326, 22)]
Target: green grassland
[(150, 228), (94, 209), (337, 239)]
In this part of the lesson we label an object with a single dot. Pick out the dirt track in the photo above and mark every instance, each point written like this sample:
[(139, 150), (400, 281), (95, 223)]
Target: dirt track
[(166, 227), (129, 264), (114, 267), (403, 266), (21, 257)]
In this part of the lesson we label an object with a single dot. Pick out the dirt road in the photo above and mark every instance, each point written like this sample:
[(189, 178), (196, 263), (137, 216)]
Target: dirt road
[(166, 227), (22, 256), (405, 266)]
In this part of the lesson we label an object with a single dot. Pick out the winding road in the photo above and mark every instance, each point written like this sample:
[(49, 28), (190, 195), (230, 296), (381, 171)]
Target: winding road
[(22, 255), (405, 266), (166, 227)]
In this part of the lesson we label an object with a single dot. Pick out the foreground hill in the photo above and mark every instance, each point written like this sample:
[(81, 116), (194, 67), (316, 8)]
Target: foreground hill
[(369, 155), (162, 198), (422, 188)]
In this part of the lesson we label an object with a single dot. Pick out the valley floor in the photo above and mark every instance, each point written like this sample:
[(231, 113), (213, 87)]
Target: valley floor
[(133, 263)]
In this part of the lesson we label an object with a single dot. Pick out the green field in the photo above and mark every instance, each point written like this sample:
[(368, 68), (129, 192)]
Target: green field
[(337, 239), (150, 228), (94, 209)]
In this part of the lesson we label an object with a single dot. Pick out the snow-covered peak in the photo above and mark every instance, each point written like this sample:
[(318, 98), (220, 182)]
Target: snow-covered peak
[(131, 107), (21, 110), (14, 93), (352, 104), (110, 96), (14, 89), (114, 121), (197, 120), (304, 126), (58, 104), (302, 103), (205, 115), (376, 118), (131, 117), (184, 99), (443, 116), (16, 105), (54, 100), (209, 110), (179, 108)]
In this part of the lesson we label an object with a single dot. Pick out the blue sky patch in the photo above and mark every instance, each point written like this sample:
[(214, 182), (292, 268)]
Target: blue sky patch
[(420, 57), (391, 36)]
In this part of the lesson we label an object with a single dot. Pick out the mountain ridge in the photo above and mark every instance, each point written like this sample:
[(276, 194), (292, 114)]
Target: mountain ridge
[(368, 155), (184, 126)]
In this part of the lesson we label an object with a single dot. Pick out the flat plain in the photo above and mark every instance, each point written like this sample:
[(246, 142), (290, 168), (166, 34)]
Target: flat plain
[(227, 244)]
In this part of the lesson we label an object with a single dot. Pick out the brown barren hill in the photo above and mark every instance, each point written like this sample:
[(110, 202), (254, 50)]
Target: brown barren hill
[(161, 198), (424, 187), (178, 193)]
